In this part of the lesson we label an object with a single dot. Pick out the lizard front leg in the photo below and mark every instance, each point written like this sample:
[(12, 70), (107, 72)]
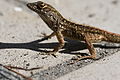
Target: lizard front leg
[(60, 38), (48, 37)]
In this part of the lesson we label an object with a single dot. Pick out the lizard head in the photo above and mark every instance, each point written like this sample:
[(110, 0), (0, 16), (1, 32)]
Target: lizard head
[(37, 6), (48, 13), (41, 7)]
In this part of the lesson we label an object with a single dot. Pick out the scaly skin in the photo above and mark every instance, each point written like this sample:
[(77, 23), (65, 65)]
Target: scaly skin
[(63, 28)]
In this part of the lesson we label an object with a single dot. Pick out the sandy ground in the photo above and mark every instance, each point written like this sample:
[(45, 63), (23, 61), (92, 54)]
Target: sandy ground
[(20, 30)]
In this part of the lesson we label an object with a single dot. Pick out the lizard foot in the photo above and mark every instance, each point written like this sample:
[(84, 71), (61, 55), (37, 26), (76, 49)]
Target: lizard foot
[(79, 57)]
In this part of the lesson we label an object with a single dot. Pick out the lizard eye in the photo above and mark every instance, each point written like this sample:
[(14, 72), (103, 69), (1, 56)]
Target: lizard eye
[(41, 4)]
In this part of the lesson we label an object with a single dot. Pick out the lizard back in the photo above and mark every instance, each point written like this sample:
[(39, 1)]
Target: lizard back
[(75, 31)]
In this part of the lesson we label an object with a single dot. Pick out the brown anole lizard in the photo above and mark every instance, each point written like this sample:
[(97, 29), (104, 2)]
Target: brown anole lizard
[(62, 28)]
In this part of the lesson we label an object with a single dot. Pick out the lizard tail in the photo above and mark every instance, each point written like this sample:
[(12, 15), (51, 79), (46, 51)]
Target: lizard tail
[(112, 37)]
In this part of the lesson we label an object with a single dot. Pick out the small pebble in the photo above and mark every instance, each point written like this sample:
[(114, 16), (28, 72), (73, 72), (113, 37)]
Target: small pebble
[(91, 15), (18, 9), (1, 14)]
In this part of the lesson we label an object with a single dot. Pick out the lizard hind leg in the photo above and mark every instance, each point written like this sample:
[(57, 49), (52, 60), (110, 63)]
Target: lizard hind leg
[(90, 48)]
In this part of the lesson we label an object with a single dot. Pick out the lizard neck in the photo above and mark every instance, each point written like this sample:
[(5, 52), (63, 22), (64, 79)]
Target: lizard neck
[(53, 22)]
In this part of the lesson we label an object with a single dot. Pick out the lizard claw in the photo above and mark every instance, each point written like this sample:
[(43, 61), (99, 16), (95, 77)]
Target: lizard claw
[(52, 53)]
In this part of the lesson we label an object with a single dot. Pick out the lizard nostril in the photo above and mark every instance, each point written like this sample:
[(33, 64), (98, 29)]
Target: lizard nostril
[(28, 5)]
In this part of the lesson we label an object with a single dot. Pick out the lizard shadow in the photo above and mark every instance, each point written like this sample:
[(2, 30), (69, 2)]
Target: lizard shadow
[(72, 46), (69, 48)]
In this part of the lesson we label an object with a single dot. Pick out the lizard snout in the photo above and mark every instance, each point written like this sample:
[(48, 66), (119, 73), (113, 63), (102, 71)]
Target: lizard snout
[(29, 5), (32, 6)]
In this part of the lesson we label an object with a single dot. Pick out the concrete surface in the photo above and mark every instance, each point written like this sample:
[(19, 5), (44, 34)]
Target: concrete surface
[(20, 31), (108, 69)]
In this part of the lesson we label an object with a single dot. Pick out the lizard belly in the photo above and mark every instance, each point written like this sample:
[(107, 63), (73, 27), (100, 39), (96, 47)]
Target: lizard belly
[(94, 38), (72, 35)]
